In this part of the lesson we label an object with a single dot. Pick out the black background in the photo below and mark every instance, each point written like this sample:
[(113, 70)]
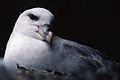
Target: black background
[(91, 22)]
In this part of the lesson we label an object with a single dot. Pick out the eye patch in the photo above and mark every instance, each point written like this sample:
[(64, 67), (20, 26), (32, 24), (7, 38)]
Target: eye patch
[(33, 17)]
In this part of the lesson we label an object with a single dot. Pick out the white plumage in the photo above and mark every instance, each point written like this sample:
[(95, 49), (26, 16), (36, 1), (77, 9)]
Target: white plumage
[(26, 45), (33, 46)]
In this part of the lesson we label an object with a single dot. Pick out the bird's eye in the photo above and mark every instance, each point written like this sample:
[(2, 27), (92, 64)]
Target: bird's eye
[(33, 17)]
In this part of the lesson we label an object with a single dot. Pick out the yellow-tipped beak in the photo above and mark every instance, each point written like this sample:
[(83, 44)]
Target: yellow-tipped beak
[(47, 37)]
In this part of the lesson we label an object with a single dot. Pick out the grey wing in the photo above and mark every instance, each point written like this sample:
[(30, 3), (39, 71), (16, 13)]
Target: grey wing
[(89, 55)]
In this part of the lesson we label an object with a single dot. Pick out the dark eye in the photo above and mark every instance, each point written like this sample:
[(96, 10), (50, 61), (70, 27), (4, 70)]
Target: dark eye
[(33, 17)]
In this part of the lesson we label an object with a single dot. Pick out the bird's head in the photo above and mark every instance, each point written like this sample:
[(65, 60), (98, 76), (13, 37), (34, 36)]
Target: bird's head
[(35, 23)]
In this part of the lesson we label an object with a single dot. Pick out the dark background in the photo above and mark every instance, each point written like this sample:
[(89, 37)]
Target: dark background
[(91, 22)]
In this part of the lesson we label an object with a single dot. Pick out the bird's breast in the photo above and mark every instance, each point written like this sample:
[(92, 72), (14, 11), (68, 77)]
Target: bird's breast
[(27, 51)]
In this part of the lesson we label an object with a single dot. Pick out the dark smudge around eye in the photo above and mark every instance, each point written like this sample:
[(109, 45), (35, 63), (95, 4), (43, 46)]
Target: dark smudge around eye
[(33, 17)]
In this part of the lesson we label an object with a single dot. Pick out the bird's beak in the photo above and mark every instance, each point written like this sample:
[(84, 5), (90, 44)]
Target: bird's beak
[(45, 35)]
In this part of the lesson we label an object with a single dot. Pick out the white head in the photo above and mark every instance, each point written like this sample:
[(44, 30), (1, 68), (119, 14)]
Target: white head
[(35, 23)]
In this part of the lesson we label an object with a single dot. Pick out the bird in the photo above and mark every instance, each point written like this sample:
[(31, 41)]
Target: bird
[(33, 46)]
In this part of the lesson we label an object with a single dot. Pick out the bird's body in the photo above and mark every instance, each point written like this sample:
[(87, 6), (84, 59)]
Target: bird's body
[(34, 51), (66, 57), (29, 49)]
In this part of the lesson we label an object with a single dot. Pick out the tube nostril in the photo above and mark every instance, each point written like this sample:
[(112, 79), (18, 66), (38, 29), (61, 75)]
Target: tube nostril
[(46, 33)]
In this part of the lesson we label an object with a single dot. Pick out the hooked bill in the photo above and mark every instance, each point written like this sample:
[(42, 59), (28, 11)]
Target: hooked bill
[(47, 37)]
